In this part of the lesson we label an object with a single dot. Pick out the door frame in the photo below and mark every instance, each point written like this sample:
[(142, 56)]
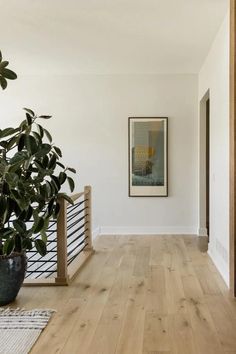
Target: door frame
[(232, 216), (202, 232)]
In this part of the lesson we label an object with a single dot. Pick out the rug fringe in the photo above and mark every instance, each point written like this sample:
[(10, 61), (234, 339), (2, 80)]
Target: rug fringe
[(22, 312)]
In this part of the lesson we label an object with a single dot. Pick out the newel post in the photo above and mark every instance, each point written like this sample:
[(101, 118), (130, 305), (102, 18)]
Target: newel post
[(88, 217), (62, 274)]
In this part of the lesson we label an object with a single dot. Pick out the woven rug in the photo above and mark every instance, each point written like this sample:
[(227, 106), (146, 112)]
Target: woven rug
[(19, 329)]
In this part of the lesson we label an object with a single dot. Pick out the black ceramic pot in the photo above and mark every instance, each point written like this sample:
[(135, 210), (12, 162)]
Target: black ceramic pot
[(12, 274)]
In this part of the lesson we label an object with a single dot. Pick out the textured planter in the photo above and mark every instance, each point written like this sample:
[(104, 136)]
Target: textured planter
[(12, 274)]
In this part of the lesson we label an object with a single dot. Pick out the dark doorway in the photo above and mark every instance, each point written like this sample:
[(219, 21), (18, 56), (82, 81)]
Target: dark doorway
[(208, 168)]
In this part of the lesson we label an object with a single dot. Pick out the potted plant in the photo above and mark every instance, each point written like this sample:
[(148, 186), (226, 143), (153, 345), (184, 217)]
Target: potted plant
[(31, 176)]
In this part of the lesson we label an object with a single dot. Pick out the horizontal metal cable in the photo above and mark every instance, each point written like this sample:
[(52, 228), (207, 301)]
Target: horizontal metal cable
[(47, 271), (76, 221), (79, 228), (76, 213), (77, 238), (70, 208), (70, 252), (74, 256), (42, 261)]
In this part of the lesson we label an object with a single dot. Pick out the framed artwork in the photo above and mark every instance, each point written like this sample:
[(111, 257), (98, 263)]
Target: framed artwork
[(148, 157)]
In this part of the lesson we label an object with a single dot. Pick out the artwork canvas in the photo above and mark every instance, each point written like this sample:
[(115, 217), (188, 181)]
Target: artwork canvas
[(148, 157)]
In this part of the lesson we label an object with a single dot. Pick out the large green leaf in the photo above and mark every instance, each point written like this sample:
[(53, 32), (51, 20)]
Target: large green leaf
[(8, 74), (9, 245), (38, 225), (9, 209), (28, 118), (22, 215), (7, 132), (18, 243), (29, 111), (29, 213), (45, 117), (19, 226), (62, 177), (27, 244), (41, 130), (58, 151), (5, 188), (31, 144), (45, 162), (21, 142), (48, 135), (50, 206), (49, 188), (11, 142), (37, 137), (4, 64), (43, 150), (3, 82), (60, 164), (19, 157), (41, 247), (43, 236), (4, 144), (71, 183), (39, 166), (71, 169), (52, 162), (43, 191), (12, 179), (56, 182), (8, 231), (3, 205)]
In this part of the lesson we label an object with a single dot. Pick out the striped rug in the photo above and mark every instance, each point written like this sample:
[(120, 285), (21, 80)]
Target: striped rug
[(19, 329)]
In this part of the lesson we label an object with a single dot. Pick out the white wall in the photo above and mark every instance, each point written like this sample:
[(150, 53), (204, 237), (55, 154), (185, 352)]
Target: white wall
[(214, 76), (90, 123)]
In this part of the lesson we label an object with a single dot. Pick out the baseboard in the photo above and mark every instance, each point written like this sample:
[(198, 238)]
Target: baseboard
[(220, 265), (202, 231), (203, 243), (96, 232), (152, 230)]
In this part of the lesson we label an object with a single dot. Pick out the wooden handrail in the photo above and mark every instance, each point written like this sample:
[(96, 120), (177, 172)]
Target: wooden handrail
[(74, 197)]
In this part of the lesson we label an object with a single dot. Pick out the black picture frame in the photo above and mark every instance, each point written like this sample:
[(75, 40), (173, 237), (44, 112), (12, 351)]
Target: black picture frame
[(138, 186)]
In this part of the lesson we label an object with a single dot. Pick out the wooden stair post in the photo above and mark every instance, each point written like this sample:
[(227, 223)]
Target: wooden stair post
[(62, 273), (88, 217)]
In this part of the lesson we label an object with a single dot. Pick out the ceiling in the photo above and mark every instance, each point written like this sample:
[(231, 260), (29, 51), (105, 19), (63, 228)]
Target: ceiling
[(108, 36)]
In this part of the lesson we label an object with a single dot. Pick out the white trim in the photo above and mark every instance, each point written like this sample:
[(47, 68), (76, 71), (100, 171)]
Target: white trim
[(96, 232), (202, 231), (220, 265), (149, 230)]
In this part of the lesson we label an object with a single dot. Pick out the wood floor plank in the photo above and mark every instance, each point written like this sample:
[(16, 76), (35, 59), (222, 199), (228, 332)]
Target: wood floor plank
[(182, 336), (205, 335), (207, 281), (142, 261), (139, 295), (86, 325), (109, 326), (131, 335), (156, 333), (225, 323), (156, 299)]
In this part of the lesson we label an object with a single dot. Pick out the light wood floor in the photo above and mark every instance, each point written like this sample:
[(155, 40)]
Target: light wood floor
[(138, 295)]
